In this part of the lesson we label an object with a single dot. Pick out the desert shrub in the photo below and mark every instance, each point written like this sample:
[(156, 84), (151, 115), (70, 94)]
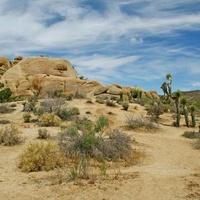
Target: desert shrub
[(67, 113), (89, 101), (27, 117), (29, 106), (191, 135), (110, 103), (4, 108), (55, 93), (116, 146), (84, 123), (43, 134), (87, 143), (4, 121), (197, 144), (125, 105), (154, 111), (114, 98), (5, 95), (1, 85), (51, 106), (134, 122), (101, 123), (43, 156), (10, 136), (100, 100), (49, 119), (79, 95)]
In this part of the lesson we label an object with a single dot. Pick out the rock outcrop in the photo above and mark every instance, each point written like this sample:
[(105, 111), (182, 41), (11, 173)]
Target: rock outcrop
[(27, 76), (4, 65)]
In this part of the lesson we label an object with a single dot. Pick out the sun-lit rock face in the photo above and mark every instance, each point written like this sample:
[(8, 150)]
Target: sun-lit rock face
[(41, 65), (4, 65), (40, 75)]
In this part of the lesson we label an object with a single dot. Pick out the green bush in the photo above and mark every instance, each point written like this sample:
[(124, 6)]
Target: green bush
[(110, 103), (27, 117), (125, 105), (101, 123), (88, 143), (10, 136), (43, 156), (1, 85), (43, 134), (5, 95), (49, 119), (67, 113)]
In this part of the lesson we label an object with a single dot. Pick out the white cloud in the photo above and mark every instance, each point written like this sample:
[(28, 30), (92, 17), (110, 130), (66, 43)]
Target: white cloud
[(103, 45)]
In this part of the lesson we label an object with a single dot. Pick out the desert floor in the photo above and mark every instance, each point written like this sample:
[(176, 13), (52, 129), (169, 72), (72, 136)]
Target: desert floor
[(169, 169)]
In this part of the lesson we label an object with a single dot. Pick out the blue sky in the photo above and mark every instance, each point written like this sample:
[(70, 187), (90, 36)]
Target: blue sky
[(130, 42)]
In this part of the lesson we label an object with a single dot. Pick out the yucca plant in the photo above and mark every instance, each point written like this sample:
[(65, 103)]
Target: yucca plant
[(169, 84), (192, 113), (185, 110), (176, 97)]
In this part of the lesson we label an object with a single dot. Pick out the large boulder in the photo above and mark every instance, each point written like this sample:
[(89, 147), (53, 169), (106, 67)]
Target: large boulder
[(41, 65), (4, 65)]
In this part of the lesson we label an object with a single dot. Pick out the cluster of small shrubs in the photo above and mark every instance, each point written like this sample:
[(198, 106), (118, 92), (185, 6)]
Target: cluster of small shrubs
[(138, 121), (43, 156), (10, 135)]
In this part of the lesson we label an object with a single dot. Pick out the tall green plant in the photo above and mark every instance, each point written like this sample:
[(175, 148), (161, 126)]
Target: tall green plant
[(185, 110), (169, 84), (192, 113), (176, 97)]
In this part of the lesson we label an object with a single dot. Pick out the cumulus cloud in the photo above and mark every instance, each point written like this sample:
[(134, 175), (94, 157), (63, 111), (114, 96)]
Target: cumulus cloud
[(107, 40)]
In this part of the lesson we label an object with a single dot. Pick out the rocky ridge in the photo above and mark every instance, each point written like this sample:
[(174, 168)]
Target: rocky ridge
[(30, 75)]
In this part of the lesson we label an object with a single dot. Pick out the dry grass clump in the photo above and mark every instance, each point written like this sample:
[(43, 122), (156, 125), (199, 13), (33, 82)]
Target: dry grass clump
[(49, 119), (51, 106), (43, 156), (5, 108), (10, 135), (139, 121)]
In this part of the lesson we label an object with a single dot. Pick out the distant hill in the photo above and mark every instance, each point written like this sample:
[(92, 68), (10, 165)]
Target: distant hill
[(194, 94)]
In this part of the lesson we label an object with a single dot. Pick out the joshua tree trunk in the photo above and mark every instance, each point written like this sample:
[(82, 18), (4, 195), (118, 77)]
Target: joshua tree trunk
[(193, 119), (185, 110), (178, 116)]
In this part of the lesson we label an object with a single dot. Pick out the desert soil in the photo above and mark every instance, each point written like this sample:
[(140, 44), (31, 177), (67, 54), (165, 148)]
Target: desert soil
[(169, 169)]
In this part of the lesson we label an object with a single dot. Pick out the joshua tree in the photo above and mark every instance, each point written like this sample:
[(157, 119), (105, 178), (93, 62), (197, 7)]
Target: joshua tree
[(169, 83), (164, 89), (192, 113), (185, 110), (176, 97)]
